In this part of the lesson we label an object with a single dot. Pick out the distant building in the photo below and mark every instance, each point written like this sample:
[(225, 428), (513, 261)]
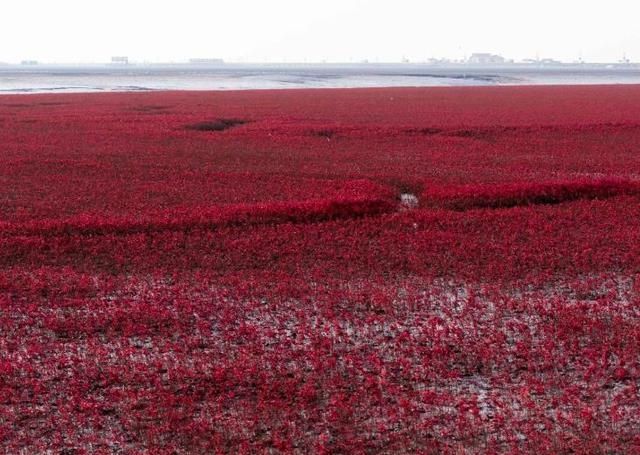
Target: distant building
[(206, 61), (485, 59), (439, 61), (542, 61), (29, 62), (120, 60)]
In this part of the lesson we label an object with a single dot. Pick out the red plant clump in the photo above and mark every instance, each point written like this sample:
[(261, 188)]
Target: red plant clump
[(326, 271), (466, 197)]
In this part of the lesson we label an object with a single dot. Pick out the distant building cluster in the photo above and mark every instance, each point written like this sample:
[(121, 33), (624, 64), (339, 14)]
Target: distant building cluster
[(206, 61), (542, 61), (475, 59), (121, 60), (480, 58)]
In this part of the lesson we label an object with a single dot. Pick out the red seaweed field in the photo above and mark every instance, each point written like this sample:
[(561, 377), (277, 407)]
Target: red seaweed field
[(435, 270)]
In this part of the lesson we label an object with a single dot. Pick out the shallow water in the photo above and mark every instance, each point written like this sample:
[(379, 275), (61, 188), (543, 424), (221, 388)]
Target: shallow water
[(98, 78)]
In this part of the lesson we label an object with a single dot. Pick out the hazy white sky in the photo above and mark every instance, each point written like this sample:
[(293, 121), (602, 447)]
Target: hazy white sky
[(332, 30)]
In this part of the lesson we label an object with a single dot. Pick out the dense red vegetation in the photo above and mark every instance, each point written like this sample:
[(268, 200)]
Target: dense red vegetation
[(238, 272)]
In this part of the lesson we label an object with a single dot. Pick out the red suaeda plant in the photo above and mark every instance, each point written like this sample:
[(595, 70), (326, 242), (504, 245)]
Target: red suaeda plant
[(241, 271)]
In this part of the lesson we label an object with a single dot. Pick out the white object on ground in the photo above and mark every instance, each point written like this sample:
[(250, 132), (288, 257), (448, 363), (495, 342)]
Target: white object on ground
[(408, 200)]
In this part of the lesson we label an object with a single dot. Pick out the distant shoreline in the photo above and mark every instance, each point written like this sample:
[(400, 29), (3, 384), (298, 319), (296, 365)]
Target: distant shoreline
[(297, 89), (28, 79)]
